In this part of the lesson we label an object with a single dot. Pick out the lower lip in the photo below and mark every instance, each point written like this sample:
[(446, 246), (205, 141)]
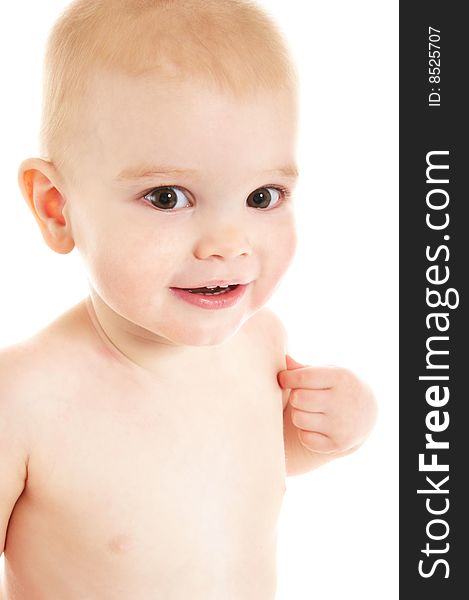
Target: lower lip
[(212, 302)]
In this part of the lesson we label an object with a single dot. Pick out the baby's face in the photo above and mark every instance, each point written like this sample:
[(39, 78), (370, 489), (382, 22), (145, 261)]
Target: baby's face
[(224, 217)]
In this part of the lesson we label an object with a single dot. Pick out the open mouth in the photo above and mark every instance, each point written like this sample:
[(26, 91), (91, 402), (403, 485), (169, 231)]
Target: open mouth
[(211, 291), (213, 296)]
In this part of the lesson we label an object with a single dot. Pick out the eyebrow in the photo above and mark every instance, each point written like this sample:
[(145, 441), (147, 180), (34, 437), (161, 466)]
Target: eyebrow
[(146, 172)]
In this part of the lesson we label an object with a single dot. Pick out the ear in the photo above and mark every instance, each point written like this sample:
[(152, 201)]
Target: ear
[(38, 181)]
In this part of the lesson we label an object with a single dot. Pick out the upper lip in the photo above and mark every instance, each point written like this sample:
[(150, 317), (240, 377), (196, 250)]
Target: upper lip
[(213, 282)]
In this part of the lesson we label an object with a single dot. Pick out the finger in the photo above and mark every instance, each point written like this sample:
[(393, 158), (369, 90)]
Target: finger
[(308, 421), (316, 378), (292, 363), (311, 400), (317, 442)]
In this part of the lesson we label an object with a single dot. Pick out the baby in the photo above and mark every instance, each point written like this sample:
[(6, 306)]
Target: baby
[(146, 433)]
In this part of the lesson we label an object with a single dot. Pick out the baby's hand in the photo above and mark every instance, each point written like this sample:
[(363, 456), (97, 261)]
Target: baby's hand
[(333, 410)]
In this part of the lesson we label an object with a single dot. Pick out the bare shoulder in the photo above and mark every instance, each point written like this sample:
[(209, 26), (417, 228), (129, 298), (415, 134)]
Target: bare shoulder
[(14, 441), (21, 379), (16, 399), (267, 324), (28, 376), (35, 375), (16, 366), (266, 331), (31, 369)]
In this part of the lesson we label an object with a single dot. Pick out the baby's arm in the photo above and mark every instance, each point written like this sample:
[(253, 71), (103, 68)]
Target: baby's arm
[(13, 455)]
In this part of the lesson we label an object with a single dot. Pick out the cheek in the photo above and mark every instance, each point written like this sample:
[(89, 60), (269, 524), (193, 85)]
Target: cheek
[(128, 266), (276, 254), (280, 251), (289, 248), (130, 277)]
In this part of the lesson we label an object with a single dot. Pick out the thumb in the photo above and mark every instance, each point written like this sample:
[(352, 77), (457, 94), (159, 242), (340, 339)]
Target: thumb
[(282, 376), (292, 364)]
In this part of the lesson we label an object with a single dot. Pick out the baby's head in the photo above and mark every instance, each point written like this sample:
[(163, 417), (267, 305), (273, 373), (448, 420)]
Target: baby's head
[(169, 142)]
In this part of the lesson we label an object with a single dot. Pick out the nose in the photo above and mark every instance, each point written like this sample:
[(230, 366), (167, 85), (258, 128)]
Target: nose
[(225, 242)]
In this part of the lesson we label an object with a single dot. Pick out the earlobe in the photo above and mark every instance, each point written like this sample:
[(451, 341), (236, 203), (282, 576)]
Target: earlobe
[(37, 180)]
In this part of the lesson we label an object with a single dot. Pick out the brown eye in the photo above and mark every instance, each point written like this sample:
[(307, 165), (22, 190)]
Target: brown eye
[(264, 197), (166, 198)]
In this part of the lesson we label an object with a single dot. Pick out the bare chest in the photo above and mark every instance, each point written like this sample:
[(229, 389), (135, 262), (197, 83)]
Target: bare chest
[(176, 477)]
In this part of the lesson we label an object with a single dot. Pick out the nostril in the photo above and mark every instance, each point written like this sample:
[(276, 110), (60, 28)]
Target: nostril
[(221, 247)]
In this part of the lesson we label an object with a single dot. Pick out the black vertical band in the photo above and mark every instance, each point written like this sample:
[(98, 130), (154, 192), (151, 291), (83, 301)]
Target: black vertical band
[(434, 269)]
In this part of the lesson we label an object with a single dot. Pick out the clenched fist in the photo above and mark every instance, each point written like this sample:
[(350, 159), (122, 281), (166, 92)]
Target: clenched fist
[(332, 408)]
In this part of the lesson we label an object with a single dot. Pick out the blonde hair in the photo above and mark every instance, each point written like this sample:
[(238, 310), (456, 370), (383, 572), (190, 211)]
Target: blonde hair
[(232, 44)]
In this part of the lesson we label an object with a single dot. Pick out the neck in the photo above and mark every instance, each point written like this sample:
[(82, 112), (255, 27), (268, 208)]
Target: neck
[(142, 348)]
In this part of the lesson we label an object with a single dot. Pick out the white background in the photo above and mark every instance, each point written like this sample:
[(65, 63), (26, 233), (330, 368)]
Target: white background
[(338, 528)]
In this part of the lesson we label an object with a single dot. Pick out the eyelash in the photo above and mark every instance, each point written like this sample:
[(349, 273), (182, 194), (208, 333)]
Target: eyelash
[(285, 195)]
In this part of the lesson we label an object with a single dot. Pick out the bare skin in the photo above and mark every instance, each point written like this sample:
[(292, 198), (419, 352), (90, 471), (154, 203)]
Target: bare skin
[(143, 451), (154, 449), (142, 455), (144, 484)]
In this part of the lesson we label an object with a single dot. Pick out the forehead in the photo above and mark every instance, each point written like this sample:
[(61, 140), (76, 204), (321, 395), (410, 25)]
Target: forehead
[(181, 122)]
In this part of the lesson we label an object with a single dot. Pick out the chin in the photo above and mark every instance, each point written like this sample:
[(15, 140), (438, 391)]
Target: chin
[(208, 335), (209, 338)]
